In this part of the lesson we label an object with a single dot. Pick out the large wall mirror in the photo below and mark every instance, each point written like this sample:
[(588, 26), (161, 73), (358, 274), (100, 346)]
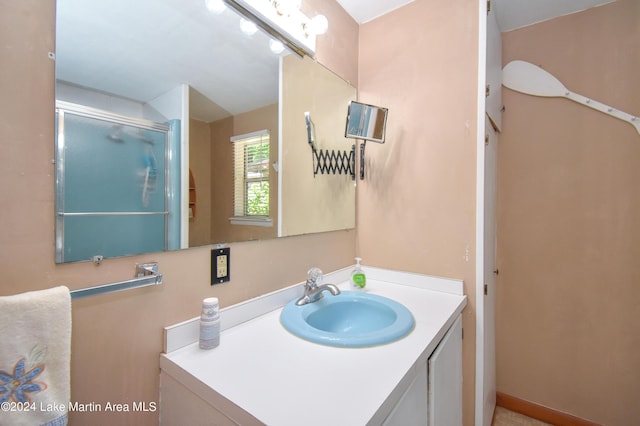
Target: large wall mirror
[(168, 133)]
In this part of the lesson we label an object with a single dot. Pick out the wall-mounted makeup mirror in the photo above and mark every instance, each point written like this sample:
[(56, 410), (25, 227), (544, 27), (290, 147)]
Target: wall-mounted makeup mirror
[(366, 122), (311, 130), (168, 61)]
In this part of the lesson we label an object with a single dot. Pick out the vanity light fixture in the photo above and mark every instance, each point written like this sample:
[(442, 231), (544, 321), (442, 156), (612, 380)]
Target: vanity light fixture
[(248, 27), (283, 20), (286, 7), (319, 24), (276, 46), (215, 6)]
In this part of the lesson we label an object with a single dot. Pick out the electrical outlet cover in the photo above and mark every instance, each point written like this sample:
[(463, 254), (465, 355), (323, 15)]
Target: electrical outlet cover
[(220, 265)]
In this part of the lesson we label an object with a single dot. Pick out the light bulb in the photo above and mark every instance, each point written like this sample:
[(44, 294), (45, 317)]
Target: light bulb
[(276, 46), (215, 6), (248, 27), (287, 7), (319, 24)]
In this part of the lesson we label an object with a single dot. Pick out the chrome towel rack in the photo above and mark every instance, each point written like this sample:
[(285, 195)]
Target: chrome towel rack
[(146, 275)]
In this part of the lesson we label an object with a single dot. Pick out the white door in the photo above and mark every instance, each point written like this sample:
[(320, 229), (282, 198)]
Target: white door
[(486, 299), (493, 101), (485, 278)]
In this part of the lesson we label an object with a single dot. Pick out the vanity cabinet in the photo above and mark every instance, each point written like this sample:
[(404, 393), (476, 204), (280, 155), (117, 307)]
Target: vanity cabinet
[(439, 383), (412, 408), (433, 398), (445, 379), (263, 375)]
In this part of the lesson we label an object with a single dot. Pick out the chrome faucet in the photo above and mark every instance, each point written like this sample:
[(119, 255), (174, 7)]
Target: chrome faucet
[(313, 288)]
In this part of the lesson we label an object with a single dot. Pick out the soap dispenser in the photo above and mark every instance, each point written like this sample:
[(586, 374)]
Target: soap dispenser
[(358, 278)]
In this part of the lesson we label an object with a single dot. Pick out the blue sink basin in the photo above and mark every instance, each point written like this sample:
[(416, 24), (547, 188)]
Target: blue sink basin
[(350, 319)]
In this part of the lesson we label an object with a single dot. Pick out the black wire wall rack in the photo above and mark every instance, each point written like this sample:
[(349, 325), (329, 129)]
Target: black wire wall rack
[(334, 162)]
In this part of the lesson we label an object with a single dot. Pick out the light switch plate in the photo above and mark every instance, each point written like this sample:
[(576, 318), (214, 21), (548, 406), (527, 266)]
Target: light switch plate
[(220, 265)]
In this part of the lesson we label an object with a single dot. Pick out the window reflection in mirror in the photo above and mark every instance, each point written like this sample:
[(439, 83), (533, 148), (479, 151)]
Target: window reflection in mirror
[(251, 183)]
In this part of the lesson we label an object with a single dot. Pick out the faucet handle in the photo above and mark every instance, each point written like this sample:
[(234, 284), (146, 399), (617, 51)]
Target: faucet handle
[(314, 276)]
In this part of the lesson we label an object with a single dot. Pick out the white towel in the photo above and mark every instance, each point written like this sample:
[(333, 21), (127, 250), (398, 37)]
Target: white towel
[(35, 354)]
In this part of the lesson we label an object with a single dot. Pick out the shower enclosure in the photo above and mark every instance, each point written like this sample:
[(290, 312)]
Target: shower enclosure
[(117, 184)]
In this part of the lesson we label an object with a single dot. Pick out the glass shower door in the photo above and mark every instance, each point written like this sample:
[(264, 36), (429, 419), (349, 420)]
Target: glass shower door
[(111, 185)]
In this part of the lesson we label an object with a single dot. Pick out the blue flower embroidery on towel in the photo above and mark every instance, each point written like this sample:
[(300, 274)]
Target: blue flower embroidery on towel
[(16, 386)]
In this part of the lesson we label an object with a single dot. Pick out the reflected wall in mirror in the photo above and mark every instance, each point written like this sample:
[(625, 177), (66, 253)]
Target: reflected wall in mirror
[(323, 202), (366, 122), (175, 61)]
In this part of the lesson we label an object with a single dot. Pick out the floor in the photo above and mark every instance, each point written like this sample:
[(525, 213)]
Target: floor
[(504, 417)]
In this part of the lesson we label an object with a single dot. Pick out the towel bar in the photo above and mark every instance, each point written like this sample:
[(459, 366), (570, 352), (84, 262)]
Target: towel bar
[(147, 275)]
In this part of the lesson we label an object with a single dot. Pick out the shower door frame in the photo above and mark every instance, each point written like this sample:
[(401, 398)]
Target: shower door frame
[(62, 108)]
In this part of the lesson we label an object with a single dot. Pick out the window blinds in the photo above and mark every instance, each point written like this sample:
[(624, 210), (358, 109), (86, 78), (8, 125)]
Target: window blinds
[(251, 174)]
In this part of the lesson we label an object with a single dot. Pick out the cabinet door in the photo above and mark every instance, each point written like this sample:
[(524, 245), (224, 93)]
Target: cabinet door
[(445, 379), (411, 409)]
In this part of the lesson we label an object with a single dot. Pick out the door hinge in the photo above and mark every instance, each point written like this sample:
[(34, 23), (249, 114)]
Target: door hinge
[(487, 90), (488, 6), (486, 139), (486, 289)]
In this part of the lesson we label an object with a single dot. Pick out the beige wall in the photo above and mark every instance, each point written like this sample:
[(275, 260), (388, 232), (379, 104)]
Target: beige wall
[(117, 338), (338, 48), (222, 170), (568, 299), (200, 167), (416, 208), (221, 161)]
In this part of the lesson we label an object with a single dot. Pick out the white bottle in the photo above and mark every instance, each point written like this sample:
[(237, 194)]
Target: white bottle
[(210, 324), (358, 278)]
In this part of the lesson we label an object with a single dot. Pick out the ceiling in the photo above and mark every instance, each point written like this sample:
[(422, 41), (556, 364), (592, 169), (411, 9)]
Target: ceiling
[(366, 10), (511, 14)]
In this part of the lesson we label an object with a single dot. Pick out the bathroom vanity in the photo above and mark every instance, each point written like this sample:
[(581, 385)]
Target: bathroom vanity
[(262, 374)]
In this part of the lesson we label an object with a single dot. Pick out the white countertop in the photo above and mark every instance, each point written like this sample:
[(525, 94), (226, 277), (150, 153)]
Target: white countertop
[(281, 379)]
